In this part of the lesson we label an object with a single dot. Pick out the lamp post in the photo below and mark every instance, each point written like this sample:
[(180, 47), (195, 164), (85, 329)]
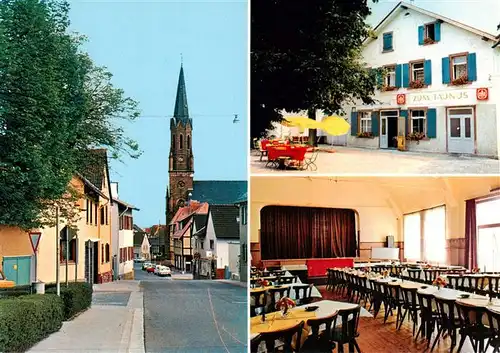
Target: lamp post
[(58, 284)]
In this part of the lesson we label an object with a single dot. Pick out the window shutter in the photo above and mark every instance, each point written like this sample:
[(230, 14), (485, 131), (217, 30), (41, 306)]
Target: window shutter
[(431, 123), (437, 31), (387, 41), (446, 69), (404, 114), (375, 121), (406, 75), (421, 33), (398, 75), (379, 77), (427, 72), (471, 67), (354, 124)]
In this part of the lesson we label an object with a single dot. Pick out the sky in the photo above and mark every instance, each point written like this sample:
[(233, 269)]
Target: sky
[(140, 42), (482, 14)]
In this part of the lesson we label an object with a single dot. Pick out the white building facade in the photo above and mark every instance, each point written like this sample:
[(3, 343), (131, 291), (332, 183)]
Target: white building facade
[(440, 86)]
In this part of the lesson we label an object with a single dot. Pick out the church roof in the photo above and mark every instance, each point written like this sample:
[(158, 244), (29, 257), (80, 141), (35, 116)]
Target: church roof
[(218, 192), (181, 112)]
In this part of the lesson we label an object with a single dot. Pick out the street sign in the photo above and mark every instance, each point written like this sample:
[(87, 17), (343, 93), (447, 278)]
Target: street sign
[(35, 240)]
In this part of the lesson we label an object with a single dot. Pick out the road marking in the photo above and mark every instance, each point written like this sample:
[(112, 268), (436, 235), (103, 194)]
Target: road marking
[(234, 338), (215, 320)]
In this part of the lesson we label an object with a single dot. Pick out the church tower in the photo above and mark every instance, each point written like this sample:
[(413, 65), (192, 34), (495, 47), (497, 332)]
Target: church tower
[(181, 160)]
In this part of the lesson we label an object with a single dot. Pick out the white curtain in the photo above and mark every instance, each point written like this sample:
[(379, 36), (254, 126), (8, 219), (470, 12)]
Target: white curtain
[(412, 236), (488, 236), (435, 235)]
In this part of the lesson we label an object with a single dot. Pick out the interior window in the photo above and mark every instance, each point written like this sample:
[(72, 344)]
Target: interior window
[(488, 235)]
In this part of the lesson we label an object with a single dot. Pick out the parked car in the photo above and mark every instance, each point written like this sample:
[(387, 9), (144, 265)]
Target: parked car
[(4, 283), (157, 268), (150, 268), (139, 260), (146, 265), (164, 271)]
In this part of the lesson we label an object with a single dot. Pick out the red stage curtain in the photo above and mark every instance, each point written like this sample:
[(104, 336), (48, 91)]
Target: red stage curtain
[(307, 232), (470, 234)]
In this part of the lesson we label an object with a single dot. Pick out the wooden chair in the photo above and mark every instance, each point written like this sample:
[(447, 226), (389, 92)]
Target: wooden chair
[(494, 324), (320, 341), (276, 294), (410, 306), (303, 293), (286, 280), (429, 317), (472, 329), (286, 336), (348, 331), (259, 302), (448, 321)]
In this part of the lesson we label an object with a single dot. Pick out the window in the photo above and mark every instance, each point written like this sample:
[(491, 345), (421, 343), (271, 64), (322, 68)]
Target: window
[(181, 141), (188, 141), (244, 214), (87, 210), (425, 235), (430, 31), (211, 244), (107, 252), (365, 122), (106, 215), (102, 253), (387, 42), (458, 67), (390, 77), (417, 71), (418, 121), (102, 216), (488, 235), (91, 210), (95, 214), (173, 141)]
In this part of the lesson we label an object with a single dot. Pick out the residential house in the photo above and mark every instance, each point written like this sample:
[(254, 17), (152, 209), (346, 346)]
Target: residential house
[(221, 238), (439, 83), (242, 204), (181, 230), (139, 234), (157, 240), (84, 248), (145, 248), (123, 237)]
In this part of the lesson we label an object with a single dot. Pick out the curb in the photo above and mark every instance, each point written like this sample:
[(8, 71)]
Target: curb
[(234, 283)]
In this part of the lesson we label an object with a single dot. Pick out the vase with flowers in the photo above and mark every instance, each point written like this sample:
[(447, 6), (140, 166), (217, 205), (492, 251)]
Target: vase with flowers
[(475, 270), (385, 273), (439, 282), (263, 282), (284, 304)]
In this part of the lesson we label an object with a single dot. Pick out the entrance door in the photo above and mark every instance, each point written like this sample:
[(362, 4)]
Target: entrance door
[(17, 269), (461, 130), (383, 132)]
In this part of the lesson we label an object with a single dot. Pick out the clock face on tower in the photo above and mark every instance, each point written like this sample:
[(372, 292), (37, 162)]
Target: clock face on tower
[(181, 184), (180, 159)]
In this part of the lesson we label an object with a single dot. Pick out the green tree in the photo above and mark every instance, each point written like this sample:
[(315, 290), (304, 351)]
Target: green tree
[(55, 105), (306, 55)]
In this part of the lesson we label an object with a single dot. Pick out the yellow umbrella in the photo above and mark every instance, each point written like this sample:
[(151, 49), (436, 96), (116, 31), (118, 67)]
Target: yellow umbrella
[(335, 125), (302, 123)]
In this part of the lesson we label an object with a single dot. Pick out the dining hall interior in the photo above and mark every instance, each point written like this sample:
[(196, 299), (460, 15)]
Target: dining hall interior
[(375, 264)]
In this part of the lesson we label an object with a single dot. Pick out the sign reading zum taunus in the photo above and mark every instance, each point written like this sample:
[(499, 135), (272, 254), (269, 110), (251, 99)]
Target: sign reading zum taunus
[(454, 97)]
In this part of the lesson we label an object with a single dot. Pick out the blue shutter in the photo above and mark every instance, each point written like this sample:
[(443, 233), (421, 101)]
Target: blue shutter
[(421, 31), (406, 75), (398, 76), (375, 123), (437, 31), (404, 114), (387, 41), (354, 123), (427, 72), (431, 123), (446, 69), (471, 67)]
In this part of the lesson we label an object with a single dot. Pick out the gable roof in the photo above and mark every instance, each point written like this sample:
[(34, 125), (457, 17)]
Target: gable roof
[(200, 222), (405, 6), (218, 192), (194, 207), (224, 220), (242, 199), (127, 205), (94, 169)]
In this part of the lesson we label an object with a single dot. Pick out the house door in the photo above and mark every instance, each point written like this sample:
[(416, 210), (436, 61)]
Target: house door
[(91, 262), (461, 130), (17, 269), (383, 132)]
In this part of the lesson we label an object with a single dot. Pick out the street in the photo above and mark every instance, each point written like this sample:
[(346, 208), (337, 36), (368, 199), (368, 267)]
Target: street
[(193, 316)]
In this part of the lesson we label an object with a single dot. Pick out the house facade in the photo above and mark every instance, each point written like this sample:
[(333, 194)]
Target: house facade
[(84, 248), (123, 236), (439, 83), (242, 205)]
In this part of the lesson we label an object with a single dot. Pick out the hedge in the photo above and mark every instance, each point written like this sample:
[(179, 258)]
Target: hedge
[(28, 319), (76, 298)]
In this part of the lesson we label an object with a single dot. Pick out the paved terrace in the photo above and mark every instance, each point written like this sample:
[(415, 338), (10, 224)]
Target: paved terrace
[(347, 160)]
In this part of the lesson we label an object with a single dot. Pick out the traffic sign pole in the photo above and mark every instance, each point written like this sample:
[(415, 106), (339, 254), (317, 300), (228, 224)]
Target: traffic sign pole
[(35, 240)]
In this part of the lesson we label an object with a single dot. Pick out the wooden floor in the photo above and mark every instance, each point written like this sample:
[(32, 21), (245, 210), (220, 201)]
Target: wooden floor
[(377, 337)]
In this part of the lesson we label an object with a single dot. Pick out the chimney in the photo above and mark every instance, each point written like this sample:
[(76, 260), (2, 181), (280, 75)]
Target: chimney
[(114, 190)]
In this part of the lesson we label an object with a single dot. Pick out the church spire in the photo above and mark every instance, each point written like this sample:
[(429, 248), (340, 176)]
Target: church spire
[(181, 112)]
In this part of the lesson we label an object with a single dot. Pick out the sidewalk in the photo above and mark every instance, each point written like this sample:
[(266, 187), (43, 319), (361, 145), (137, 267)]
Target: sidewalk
[(233, 282), (110, 326)]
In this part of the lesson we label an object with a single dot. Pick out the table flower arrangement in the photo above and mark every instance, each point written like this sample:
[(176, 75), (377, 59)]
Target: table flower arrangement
[(439, 282), (263, 282), (385, 273), (284, 304), (475, 270)]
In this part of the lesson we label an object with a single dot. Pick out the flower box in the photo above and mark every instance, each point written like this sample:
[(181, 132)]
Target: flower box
[(417, 84), (388, 88), (415, 136), (462, 80), (365, 135), (429, 41)]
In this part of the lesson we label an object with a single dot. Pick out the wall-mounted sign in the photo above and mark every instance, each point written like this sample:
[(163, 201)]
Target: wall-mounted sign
[(401, 99), (482, 94), (442, 98)]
